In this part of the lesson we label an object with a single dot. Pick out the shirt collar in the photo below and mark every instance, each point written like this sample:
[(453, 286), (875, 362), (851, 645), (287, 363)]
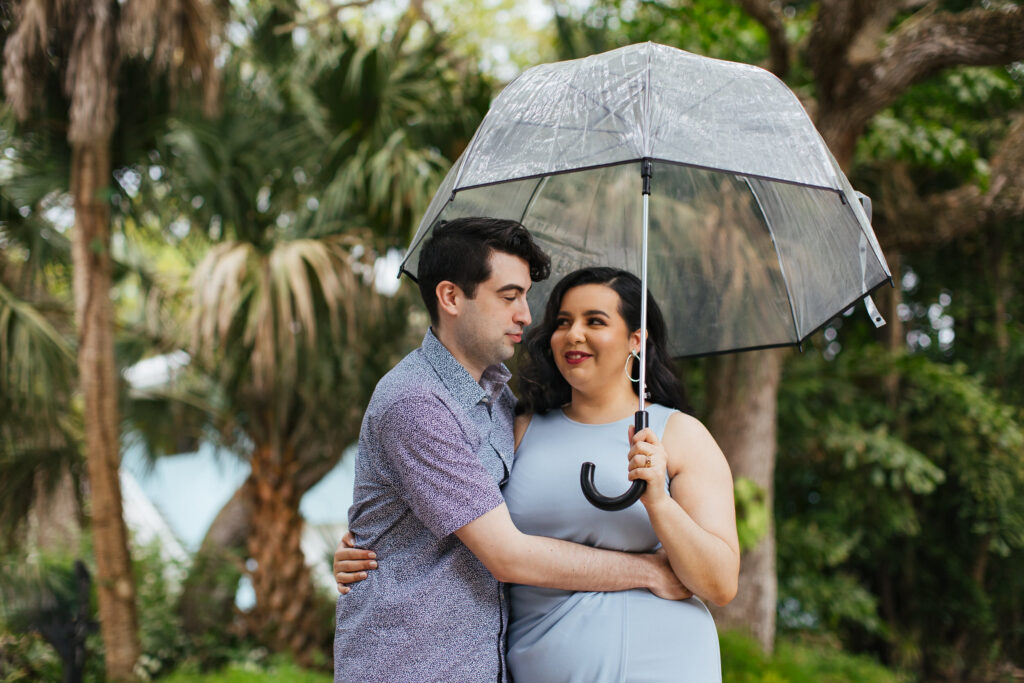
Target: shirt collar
[(456, 377)]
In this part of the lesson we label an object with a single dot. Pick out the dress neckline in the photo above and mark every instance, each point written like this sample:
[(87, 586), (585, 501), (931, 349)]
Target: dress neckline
[(561, 411)]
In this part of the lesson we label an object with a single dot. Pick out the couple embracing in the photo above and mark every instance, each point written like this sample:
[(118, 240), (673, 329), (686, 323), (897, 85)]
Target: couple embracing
[(490, 563)]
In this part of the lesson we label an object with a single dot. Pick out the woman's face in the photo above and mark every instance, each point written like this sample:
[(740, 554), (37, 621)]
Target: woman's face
[(591, 339)]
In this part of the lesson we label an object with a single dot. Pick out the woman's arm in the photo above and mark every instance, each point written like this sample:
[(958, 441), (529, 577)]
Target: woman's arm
[(696, 520)]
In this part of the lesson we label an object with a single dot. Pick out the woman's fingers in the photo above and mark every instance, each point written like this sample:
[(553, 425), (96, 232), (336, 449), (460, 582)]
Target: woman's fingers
[(643, 461), (353, 566), (642, 447), (644, 435), (343, 579), (351, 571), (345, 554)]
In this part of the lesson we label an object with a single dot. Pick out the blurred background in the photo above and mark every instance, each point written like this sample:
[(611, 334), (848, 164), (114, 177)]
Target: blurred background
[(202, 208)]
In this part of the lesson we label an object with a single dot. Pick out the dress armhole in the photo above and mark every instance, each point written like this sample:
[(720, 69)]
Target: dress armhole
[(662, 423), (529, 423)]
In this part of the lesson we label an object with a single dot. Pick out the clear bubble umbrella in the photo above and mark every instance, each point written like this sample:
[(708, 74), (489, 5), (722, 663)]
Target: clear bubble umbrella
[(706, 178)]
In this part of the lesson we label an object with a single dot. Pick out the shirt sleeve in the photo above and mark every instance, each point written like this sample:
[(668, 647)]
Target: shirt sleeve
[(440, 473)]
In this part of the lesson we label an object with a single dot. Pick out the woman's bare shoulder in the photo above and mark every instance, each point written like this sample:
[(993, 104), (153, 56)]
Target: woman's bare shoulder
[(686, 434)]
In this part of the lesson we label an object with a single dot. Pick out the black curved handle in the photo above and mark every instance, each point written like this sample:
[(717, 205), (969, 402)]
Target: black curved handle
[(618, 502)]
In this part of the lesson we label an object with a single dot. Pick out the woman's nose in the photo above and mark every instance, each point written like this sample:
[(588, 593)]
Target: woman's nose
[(575, 333)]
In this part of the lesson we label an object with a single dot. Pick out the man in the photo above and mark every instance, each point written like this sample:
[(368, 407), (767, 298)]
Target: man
[(436, 444)]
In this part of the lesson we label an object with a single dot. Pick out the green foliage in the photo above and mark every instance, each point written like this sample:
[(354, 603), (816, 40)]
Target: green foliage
[(796, 661), (713, 28), (277, 669), (27, 657), (945, 127), (46, 608), (751, 512), (883, 505), (42, 591)]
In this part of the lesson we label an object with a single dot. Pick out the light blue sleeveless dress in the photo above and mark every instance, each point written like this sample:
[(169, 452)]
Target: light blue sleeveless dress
[(562, 636)]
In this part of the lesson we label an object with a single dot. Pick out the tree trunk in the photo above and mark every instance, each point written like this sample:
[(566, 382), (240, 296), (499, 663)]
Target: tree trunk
[(54, 521), (742, 410), (208, 595), (207, 602), (287, 615), (1002, 295), (97, 373)]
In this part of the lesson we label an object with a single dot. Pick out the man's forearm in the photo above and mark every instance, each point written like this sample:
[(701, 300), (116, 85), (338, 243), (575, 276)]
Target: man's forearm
[(514, 557), (552, 563)]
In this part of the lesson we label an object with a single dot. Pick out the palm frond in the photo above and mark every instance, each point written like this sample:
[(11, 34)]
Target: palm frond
[(36, 361), (276, 308)]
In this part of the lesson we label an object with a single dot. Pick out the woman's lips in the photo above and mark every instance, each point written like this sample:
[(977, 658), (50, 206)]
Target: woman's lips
[(576, 357)]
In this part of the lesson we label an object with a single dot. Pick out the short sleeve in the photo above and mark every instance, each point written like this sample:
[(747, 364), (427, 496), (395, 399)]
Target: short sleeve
[(440, 473)]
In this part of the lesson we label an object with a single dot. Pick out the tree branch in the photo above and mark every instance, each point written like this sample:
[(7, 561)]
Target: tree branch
[(778, 46), (915, 222), (919, 49), (828, 45), (330, 14)]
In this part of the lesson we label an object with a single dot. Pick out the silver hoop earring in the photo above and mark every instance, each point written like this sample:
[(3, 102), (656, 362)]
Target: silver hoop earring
[(632, 354)]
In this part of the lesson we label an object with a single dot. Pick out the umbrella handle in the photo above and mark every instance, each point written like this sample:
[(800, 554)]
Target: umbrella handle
[(608, 502)]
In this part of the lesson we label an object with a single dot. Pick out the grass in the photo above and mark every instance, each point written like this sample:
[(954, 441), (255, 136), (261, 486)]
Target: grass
[(279, 671), (742, 662)]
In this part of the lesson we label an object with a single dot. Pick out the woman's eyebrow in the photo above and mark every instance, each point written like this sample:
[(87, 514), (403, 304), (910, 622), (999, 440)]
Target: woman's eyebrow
[(595, 311)]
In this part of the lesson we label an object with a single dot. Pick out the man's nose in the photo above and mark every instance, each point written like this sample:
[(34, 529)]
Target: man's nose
[(523, 316)]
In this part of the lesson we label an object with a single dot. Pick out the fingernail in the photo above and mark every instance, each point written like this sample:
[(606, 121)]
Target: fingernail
[(373, 555), (373, 565), (362, 574)]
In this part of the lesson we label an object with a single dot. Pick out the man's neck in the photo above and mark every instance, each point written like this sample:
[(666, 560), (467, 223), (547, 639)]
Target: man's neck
[(449, 342)]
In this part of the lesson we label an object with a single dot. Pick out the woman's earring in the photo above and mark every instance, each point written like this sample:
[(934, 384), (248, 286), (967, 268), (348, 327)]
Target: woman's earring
[(632, 354)]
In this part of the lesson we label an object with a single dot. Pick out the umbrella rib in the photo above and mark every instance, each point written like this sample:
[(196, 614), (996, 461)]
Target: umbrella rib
[(778, 256), (529, 202), (647, 109)]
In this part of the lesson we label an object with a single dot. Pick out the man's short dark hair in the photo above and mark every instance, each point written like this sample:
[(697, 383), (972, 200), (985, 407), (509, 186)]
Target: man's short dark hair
[(460, 250)]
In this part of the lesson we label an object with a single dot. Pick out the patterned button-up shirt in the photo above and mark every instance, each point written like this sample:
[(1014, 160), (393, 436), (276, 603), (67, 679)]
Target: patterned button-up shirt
[(434, 449)]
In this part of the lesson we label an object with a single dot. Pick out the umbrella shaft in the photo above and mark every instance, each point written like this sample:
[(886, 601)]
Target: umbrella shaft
[(643, 308)]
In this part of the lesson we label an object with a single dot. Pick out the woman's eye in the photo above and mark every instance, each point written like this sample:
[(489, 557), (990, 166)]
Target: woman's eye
[(596, 321), (561, 322)]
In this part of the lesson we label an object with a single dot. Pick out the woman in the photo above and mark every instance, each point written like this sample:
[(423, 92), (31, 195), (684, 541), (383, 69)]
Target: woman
[(578, 391), (578, 395)]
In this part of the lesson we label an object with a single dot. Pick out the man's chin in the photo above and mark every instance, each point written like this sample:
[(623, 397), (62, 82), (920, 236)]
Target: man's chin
[(508, 350)]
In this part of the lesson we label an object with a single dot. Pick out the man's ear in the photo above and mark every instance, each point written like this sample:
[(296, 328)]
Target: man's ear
[(449, 295)]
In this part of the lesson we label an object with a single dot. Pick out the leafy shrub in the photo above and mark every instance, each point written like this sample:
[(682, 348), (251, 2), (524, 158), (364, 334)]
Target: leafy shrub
[(895, 516), (796, 661)]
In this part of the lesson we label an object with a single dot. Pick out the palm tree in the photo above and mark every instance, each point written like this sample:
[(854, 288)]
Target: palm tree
[(324, 158), (38, 438), (283, 328), (39, 435), (81, 46)]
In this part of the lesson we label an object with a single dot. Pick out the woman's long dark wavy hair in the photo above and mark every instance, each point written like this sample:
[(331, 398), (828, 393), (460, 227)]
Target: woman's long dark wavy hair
[(541, 385)]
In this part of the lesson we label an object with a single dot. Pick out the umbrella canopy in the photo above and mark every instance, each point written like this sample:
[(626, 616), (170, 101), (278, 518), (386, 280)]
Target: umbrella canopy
[(756, 237)]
